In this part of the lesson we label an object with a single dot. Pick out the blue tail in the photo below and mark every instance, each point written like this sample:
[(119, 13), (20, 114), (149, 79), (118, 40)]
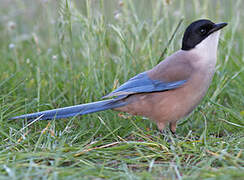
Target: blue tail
[(73, 110)]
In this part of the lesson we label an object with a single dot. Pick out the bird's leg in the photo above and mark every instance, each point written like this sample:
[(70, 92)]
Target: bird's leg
[(161, 126), (172, 127)]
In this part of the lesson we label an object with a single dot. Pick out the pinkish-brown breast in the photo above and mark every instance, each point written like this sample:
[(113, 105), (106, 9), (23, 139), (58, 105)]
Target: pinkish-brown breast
[(172, 105)]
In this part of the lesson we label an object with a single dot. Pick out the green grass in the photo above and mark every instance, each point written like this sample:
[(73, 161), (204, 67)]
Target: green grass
[(56, 54)]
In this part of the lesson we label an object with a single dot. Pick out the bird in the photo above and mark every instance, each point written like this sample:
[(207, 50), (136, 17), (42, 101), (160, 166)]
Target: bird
[(166, 93)]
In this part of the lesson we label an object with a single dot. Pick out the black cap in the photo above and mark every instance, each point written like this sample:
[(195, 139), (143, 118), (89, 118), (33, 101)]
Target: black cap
[(198, 31)]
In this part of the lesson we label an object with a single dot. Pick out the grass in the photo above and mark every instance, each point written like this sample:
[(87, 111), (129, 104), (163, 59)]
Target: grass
[(57, 54)]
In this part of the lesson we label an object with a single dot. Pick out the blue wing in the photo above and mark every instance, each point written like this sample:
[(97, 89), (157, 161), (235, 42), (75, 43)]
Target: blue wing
[(141, 83)]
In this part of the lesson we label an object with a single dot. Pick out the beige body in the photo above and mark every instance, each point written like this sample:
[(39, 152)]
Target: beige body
[(169, 106)]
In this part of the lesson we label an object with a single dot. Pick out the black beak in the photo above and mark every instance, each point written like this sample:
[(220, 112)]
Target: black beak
[(217, 27)]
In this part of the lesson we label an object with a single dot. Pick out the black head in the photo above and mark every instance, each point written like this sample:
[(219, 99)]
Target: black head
[(198, 31)]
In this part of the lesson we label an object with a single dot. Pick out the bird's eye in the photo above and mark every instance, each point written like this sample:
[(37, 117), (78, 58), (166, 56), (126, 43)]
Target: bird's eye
[(203, 31)]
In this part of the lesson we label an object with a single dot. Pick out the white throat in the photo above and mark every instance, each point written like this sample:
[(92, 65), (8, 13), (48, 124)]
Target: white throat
[(206, 50), (208, 47)]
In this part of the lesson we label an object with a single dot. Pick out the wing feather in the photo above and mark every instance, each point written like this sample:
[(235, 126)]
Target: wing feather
[(141, 83)]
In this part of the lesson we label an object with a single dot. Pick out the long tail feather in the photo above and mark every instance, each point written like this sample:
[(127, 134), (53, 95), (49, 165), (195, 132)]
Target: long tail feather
[(73, 110)]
